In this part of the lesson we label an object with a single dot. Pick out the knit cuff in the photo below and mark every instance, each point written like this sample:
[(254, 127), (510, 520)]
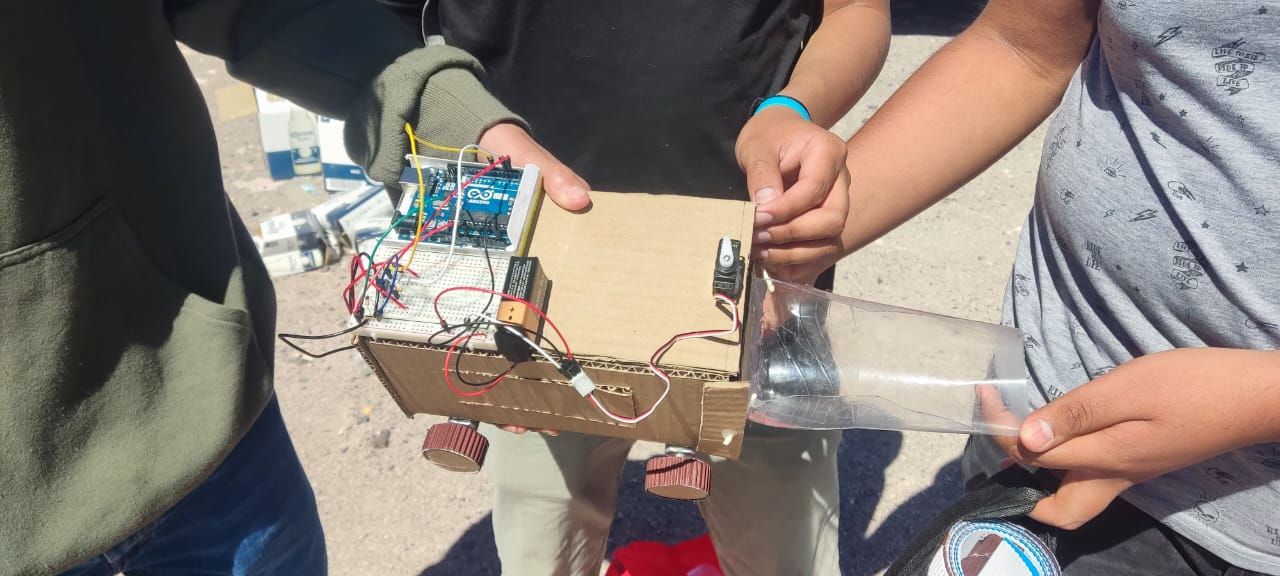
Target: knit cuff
[(436, 89)]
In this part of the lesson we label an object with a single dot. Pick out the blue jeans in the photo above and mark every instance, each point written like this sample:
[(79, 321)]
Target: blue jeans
[(255, 515)]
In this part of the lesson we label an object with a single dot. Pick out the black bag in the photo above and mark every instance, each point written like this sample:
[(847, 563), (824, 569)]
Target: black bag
[(1009, 496)]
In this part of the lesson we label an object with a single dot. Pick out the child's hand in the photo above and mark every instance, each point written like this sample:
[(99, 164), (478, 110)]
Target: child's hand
[(797, 176), (562, 185), (1153, 415)]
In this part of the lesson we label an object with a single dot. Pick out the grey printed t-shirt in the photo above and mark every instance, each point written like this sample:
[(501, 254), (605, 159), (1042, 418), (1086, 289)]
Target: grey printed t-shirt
[(1156, 225)]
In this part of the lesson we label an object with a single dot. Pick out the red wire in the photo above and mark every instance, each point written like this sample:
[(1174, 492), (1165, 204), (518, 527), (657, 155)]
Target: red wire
[(662, 374), (352, 286), (425, 235), (350, 289), (447, 380), (436, 304), (468, 182)]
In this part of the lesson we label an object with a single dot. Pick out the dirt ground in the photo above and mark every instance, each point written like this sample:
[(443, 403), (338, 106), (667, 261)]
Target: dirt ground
[(387, 512)]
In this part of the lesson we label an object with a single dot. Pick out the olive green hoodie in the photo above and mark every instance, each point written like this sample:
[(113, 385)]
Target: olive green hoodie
[(136, 318)]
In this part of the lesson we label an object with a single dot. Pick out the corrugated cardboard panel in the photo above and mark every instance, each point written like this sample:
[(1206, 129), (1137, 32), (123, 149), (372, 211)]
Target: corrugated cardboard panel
[(626, 276), (723, 418), (536, 396), (635, 270)]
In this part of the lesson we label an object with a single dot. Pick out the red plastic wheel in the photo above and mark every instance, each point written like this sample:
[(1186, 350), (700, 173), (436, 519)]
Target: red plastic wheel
[(455, 447), (677, 477)]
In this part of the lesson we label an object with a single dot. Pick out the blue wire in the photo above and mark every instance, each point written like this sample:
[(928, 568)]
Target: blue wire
[(395, 262), (365, 291)]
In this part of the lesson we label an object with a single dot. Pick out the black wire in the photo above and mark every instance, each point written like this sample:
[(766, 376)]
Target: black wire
[(450, 341), (493, 287), (541, 338), (457, 357), (493, 280), (285, 338), (457, 369), (457, 362), (376, 292)]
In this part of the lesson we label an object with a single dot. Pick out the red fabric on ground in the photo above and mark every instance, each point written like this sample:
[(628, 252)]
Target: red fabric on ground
[(695, 557)]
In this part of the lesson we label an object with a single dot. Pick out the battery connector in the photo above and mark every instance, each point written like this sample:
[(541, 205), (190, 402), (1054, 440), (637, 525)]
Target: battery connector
[(511, 346), (572, 370)]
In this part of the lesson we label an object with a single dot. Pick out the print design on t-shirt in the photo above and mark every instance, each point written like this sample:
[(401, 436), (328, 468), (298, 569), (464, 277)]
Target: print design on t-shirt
[(1113, 169), (1169, 34), (1146, 214), (1239, 64), (1187, 267), (1261, 326), (1206, 510), (1094, 261), (1223, 477), (1180, 191)]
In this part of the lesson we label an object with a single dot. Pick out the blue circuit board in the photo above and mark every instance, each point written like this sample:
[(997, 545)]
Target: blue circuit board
[(487, 204)]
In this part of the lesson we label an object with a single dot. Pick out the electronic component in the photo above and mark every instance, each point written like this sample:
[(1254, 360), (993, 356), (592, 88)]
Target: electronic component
[(512, 347), (413, 288), (727, 278), (497, 207), (582, 383), (525, 280)]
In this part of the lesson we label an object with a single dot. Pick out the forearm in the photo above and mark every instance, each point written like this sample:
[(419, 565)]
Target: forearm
[(377, 83), (1260, 377), (966, 107), (841, 60)]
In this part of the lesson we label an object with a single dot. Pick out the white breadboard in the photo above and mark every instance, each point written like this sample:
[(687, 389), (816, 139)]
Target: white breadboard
[(417, 321)]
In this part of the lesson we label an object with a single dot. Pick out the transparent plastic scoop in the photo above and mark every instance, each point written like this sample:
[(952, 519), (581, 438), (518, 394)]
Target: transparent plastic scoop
[(820, 361)]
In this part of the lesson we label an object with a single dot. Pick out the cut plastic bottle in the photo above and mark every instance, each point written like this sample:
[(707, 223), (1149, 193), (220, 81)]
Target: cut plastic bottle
[(820, 361)]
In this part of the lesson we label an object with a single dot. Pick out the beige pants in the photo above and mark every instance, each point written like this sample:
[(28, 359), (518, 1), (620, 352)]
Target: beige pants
[(772, 512)]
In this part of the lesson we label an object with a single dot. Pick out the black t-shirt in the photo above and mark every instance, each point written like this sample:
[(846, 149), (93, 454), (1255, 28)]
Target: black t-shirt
[(637, 95), (643, 95)]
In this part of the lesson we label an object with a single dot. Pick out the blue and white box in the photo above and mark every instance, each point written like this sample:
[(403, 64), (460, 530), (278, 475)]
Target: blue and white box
[(341, 174), (273, 126)]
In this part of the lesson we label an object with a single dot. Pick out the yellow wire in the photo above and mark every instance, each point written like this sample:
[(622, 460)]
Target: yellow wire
[(422, 192), (435, 146)]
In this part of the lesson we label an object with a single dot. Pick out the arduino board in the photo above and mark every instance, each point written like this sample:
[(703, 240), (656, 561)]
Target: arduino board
[(494, 210)]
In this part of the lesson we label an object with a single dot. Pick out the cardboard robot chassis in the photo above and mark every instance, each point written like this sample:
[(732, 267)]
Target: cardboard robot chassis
[(626, 276)]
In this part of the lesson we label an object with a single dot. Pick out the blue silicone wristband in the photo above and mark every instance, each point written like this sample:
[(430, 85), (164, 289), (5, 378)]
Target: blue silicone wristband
[(786, 101)]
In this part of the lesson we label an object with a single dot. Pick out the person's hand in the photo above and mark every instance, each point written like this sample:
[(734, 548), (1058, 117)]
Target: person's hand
[(796, 174), (1153, 415), (562, 185)]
